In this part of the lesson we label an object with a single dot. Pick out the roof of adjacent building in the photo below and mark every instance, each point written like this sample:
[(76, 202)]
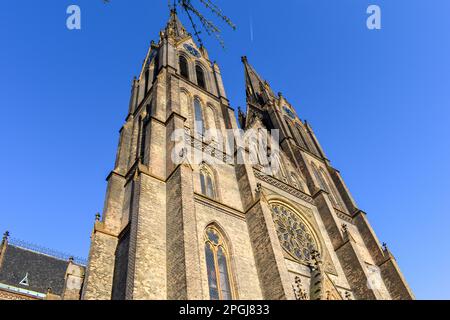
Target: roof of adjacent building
[(32, 271)]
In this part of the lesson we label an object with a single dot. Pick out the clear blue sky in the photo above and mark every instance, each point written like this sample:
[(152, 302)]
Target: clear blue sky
[(378, 101)]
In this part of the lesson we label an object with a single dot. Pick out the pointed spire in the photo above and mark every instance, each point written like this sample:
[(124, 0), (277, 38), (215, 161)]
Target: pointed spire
[(258, 90), (175, 28)]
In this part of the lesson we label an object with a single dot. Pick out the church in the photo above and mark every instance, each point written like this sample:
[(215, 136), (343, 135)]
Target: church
[(227, 226)]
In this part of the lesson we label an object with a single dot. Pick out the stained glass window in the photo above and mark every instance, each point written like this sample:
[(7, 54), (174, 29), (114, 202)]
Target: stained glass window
[(213, 236), (294, 234), (223, 271), (212, 276), (217, 264)]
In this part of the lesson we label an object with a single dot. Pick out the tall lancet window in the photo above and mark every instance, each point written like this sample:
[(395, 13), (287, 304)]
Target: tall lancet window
[(217, 265), (199, 123), (200, 77), (207, 183), (184, 70)]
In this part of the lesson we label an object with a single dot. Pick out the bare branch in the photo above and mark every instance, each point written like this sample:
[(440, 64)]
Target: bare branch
[(209, 26)]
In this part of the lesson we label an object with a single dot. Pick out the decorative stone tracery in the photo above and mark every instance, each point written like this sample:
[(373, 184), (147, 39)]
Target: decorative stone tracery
[(294, 234)]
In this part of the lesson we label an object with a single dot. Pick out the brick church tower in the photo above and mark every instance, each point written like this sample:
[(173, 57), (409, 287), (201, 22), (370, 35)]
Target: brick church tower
[(220, 228)]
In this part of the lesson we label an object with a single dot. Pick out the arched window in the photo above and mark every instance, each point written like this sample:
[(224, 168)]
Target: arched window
[(199, 123), (184, 70), (200, 77), (217, 265), (295, 235), (207, 184)]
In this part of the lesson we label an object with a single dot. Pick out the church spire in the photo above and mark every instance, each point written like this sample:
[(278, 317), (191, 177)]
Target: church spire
[(175, 28), (258, 90), (259, 95)]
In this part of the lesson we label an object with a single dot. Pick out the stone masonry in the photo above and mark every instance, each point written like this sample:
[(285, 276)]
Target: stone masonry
[(162, 217)]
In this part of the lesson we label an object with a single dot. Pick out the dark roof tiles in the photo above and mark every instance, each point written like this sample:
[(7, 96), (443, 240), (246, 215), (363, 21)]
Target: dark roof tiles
[(43, 271)]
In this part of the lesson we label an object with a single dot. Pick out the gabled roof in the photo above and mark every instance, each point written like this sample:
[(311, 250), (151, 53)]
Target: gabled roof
[(32, 271)]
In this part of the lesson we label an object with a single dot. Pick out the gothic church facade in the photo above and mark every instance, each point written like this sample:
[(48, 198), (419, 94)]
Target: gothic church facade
[(226, 230)]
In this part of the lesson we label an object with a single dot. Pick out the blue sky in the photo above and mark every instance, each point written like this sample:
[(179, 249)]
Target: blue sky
[(377, 100)]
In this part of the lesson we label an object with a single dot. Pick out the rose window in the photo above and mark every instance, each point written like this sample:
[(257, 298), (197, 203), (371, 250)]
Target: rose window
[(294, 235)]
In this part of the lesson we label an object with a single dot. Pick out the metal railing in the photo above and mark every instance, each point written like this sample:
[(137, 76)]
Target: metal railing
[(46, 251)]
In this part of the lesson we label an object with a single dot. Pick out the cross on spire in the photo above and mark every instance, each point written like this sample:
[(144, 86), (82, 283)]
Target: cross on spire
[(172, 6)]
